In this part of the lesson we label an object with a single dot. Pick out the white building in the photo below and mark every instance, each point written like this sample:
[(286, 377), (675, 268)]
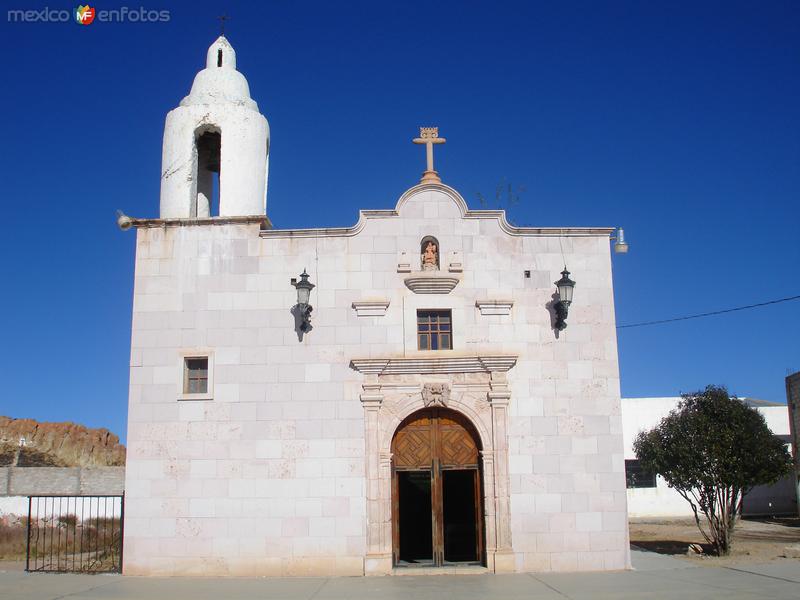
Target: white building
[(648, 493), (432, 414)]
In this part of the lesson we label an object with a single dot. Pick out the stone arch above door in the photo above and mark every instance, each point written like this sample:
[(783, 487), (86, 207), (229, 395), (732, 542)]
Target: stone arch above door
[(412, 440), (482, 397), (399, 406)]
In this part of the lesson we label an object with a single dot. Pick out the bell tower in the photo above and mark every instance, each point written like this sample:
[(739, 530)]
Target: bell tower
[(215, 157)]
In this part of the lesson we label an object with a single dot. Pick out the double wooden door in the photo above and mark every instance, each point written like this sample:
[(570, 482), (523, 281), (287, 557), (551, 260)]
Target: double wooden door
[(437, 513)]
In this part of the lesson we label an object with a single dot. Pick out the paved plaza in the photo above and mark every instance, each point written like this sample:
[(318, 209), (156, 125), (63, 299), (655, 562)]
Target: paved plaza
[(655, 576)]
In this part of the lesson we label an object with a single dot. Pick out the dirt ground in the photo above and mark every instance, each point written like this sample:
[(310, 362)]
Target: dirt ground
[(755, 541), (759, 541)]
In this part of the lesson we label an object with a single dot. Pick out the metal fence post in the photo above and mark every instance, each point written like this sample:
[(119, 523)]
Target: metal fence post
[(28, 537)]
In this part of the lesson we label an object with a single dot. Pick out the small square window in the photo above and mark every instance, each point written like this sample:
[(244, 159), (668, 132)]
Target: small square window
[(196, 379), (637, 477), (196, 375), (434, 330)]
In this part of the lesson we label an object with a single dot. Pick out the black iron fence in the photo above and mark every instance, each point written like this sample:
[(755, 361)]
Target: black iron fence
[(81, 534)]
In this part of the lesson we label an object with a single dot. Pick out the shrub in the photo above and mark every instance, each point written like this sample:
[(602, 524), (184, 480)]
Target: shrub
[(712, 449)]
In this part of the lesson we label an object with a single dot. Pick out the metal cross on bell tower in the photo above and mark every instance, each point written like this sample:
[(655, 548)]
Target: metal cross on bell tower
[(222, 19), (429, 136)]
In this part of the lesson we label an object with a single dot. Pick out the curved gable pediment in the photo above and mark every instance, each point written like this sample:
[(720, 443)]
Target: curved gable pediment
[(426, 201), (445, 201)]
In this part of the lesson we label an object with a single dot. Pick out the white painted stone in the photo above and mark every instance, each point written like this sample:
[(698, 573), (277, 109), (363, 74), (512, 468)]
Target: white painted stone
[(219, 102), (285, 469)]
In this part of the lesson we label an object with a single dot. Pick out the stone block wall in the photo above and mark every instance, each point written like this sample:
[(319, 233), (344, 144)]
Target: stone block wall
[(272, 476), (52, 481)]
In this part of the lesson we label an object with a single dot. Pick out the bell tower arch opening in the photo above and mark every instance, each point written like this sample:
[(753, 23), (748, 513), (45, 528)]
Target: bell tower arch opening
[(192, 155), (208, 149), (437, 490)]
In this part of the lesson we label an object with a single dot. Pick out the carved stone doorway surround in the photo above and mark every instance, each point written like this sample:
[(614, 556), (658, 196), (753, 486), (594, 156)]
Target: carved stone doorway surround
[(476, 387)]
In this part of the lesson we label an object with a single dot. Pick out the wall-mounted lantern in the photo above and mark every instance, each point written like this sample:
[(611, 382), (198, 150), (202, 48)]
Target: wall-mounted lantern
[(124, 222), (620, 245), (565, 288), (304, 287)]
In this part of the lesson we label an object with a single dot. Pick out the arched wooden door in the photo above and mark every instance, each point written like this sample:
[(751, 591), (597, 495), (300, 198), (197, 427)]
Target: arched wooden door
[(437, 513)]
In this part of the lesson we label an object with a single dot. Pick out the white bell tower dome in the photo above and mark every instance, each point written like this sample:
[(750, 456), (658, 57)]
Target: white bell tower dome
[(215, 157)]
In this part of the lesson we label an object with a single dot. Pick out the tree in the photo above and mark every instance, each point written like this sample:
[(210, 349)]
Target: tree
[(506, 196), (712, 449)]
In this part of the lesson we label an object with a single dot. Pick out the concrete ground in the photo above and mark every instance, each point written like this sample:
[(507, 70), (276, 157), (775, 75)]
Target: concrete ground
[(655, 576)]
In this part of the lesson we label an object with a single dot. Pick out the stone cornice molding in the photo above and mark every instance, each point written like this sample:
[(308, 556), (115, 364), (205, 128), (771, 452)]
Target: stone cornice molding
[(500, 393), (494, 307), (407, 387), (499, 398), (322, 232), (372, 397), (431, 283), (195, 221), (466, 213), (488, 363), (370, 308), (487, 455)]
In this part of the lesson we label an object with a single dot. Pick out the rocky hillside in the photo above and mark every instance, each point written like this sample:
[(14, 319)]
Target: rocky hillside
[(57, 445)]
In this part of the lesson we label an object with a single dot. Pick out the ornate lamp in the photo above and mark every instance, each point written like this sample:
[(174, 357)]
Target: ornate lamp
[(620, 245), (565, 288), (304, 287)]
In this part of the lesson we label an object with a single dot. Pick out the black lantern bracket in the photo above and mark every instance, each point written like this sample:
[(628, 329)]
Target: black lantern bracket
[(303, 307), (565, 287)]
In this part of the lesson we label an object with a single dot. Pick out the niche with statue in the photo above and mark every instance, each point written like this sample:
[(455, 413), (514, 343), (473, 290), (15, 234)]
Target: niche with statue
[(429, 279)]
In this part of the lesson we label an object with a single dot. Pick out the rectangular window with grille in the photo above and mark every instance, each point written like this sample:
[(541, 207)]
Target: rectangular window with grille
[(637, 477), (434, 330), (195, 375)]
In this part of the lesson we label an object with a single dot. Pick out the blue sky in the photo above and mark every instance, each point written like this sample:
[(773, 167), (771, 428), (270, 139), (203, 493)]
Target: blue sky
[(678, 121)]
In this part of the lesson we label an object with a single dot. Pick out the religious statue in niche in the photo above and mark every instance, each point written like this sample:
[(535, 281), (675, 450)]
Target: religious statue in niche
[(435, 394), (430, 254)]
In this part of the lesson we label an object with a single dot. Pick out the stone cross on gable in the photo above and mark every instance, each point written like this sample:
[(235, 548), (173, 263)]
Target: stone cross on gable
[(429, 136)]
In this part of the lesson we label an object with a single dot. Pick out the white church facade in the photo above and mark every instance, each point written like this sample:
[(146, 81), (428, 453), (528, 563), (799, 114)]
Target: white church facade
[(420, 406)]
